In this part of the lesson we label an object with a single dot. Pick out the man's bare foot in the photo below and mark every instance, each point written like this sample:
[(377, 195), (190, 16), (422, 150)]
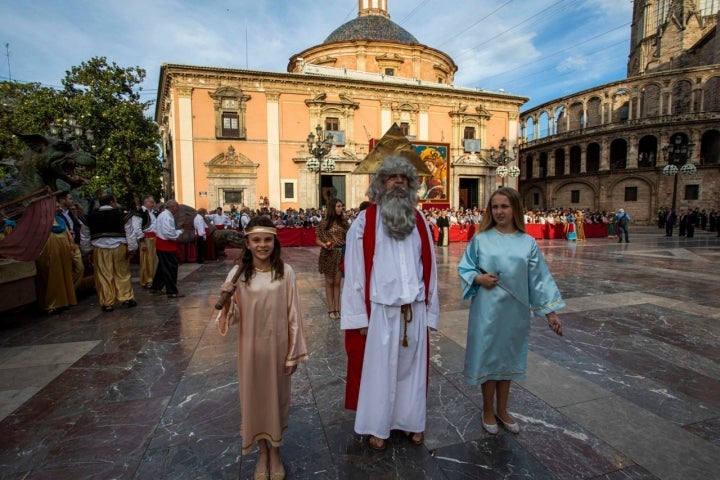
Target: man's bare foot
[(377, 443)]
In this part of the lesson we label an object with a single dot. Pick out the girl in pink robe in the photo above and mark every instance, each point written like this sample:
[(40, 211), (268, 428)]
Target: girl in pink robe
[(265, 306)]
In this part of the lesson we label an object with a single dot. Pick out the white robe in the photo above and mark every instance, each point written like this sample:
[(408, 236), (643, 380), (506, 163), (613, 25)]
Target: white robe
[(393, 388)]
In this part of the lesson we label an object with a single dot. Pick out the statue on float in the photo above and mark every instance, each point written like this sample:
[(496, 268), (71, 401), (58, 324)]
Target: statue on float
[(27, 192)]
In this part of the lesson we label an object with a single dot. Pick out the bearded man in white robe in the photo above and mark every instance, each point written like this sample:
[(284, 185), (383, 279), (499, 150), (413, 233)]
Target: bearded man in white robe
[(388, 352)]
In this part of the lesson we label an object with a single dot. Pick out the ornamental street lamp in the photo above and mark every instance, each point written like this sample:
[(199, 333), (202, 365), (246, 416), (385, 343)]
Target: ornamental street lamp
[(318, 149), (501, 159), (676, 155), (69, 129)]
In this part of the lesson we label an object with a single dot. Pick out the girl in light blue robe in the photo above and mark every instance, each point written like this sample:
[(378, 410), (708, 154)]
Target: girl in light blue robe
[(501, 259)]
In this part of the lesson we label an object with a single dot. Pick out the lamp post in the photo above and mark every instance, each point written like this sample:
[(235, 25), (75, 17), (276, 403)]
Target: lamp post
[(501, 158), (318, 149), (676, 155), (69, 129)]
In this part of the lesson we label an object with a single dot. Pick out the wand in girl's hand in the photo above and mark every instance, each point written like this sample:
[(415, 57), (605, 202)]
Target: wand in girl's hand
[(224, 296)]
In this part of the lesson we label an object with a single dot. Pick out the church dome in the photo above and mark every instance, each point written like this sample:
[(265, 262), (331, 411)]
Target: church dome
[(371, 27)]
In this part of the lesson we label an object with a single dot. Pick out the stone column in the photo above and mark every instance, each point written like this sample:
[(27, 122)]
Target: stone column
[(273, 147), (184, 176)]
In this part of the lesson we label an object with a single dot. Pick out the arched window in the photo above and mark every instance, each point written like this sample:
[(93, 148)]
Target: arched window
[(592, 157)]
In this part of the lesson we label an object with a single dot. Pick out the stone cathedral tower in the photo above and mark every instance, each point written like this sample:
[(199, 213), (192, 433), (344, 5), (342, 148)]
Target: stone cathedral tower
[(672, 34)]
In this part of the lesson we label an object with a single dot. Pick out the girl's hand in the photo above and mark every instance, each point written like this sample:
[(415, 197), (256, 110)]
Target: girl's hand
[(227, 287), (290, 370), (554, 323), (487, 280)]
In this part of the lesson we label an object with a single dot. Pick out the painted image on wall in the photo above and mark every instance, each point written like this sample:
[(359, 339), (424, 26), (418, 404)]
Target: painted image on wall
[(435, 157)]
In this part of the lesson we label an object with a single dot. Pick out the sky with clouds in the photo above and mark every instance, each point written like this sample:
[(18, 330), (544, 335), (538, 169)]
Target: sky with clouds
[(542, 49)]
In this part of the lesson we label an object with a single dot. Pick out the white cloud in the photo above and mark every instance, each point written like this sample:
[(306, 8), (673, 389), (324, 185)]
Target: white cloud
[(495, 43)]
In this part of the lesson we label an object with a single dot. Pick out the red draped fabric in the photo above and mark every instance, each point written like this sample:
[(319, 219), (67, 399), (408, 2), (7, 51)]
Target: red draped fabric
[(296, 237), (305, 237), (186, 252), (28, 238), (540, 231)]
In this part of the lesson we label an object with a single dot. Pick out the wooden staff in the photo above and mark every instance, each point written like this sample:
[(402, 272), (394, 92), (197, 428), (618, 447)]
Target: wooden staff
[(224, 296), (45, 192)]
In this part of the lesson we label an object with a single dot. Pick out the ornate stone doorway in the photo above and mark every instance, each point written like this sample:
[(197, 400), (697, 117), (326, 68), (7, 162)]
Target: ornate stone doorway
[(232, 180)]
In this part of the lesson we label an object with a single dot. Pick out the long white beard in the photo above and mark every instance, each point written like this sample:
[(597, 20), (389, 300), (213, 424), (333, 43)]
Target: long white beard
[(398, 212)]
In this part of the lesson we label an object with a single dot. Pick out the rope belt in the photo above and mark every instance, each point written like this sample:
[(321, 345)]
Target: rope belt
[(407, 315)]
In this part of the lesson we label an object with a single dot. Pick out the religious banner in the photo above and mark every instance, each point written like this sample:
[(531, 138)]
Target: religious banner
[(436, 187)]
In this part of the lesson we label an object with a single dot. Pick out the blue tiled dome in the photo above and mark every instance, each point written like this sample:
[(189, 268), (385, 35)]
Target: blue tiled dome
[(371, 27)]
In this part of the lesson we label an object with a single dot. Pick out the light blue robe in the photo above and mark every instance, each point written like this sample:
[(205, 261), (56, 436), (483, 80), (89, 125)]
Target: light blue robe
[(499, 325)]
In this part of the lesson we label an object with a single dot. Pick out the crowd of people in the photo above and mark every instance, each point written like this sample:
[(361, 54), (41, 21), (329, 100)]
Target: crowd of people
[(101, 245)]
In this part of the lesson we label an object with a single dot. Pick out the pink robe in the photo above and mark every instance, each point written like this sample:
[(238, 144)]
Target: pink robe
[(270, 338)]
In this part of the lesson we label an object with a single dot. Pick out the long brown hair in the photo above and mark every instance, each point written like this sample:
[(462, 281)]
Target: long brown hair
[(515, 203), (247, 271), (332, 217)]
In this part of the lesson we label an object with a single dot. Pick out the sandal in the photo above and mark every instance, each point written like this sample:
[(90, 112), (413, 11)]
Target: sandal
[(376, 443)]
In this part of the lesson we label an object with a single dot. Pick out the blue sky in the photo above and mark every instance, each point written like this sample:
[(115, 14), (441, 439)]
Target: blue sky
[(542, 49)]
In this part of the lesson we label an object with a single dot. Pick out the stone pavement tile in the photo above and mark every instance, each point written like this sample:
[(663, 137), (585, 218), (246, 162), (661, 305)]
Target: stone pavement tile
[(354, 459), (708, 430), (562, 446), (445, 354), (326, 369), (634, 472), (659, 446), (452, 417), (585, 355), (453, 324), (156, 371), (37, 376), (11, 400), (493, 457), (649, 356), (555, 386), (326, 377), (565, 448), (203, 406), (49, 354), (112, 434), (214, 458)]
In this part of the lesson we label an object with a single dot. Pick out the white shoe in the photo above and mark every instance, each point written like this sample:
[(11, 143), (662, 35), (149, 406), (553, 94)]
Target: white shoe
[(491, 429), (510, 427)]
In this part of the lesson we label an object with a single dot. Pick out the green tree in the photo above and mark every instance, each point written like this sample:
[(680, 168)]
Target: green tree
[(103, 98), (24, 108)]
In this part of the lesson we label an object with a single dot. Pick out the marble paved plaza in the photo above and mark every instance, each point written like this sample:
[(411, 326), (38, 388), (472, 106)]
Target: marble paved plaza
[(631, 391)]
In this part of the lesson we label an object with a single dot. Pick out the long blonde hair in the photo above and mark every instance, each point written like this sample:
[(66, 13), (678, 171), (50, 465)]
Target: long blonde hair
[(515, 203)]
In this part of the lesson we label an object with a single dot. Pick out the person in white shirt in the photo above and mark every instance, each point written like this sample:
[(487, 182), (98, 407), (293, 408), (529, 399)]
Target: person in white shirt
[(144, 221), (387, 311), (166, 246), (113, 240), (244, 218), (200, 235), (219, 219)]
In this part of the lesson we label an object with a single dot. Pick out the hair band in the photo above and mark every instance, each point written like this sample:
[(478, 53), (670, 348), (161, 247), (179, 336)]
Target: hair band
[(261, 229)]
